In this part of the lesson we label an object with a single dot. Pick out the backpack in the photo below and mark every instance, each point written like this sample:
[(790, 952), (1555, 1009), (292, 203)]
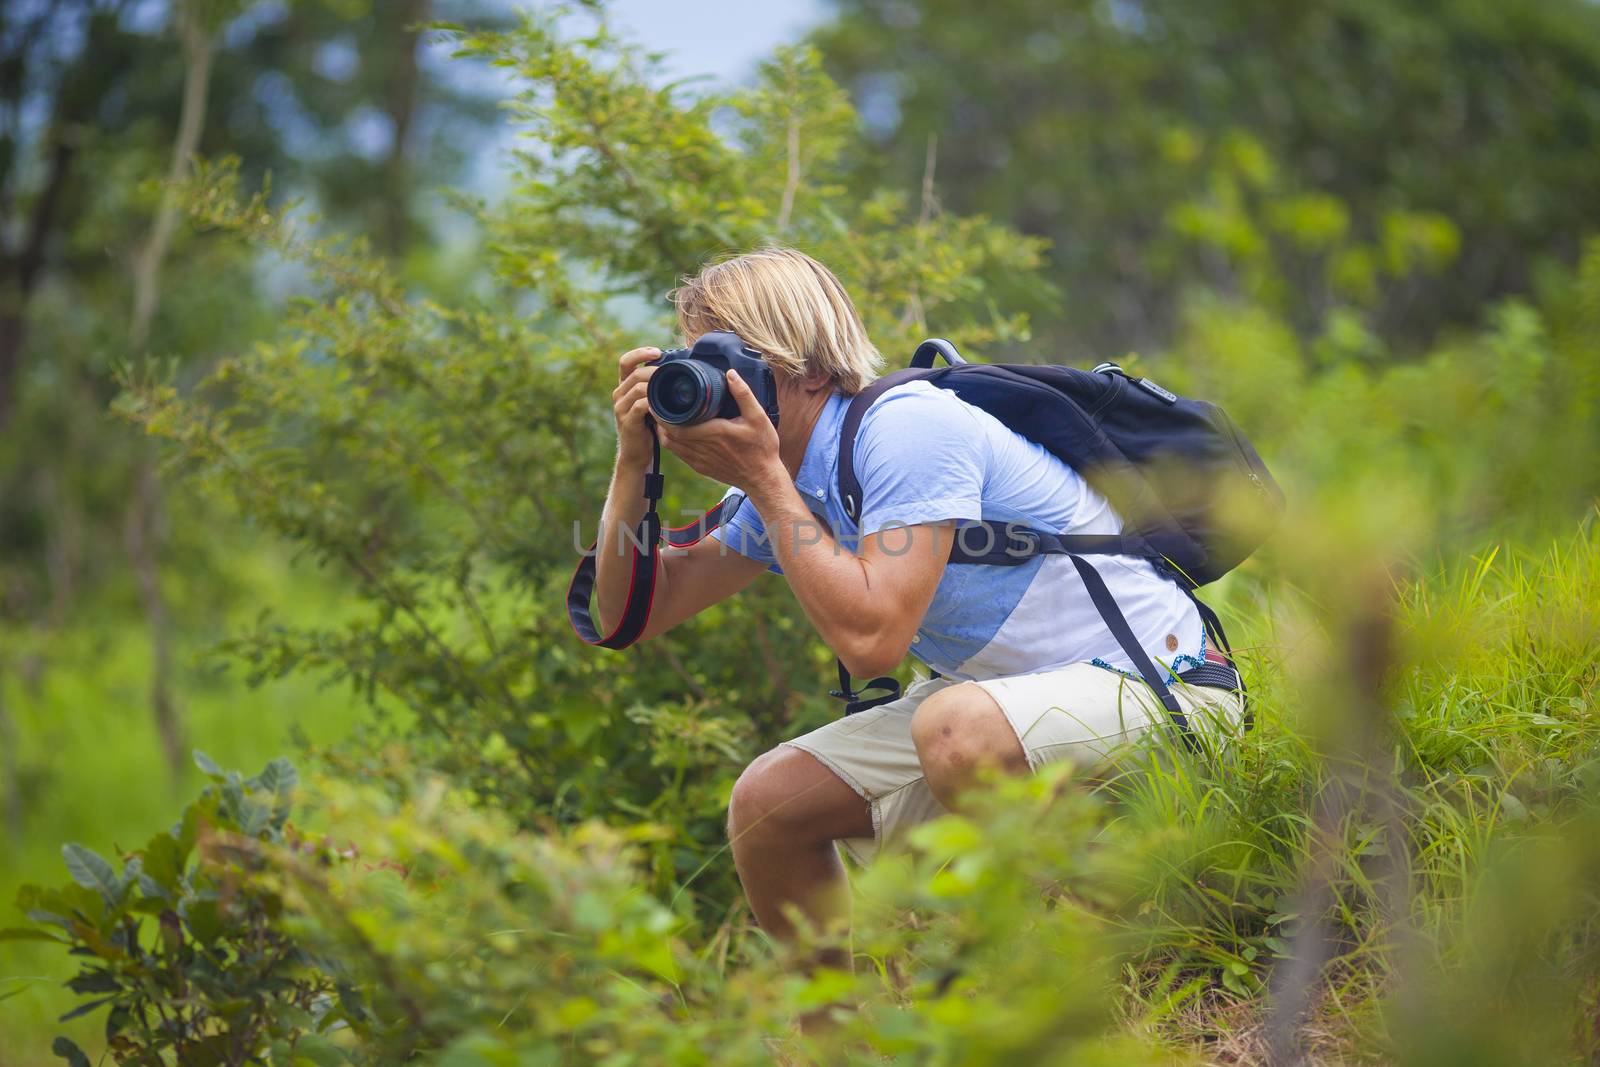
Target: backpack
[(1172, 467)]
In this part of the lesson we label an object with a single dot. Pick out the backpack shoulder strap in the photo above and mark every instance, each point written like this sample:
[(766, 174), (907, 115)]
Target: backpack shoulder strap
[(921, 366), (849, 486)]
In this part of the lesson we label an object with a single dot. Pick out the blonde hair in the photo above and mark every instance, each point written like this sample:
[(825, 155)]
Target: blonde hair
[(788, 307)]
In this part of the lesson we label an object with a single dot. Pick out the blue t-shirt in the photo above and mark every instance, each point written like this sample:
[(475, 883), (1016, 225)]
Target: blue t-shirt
[(923, 455)]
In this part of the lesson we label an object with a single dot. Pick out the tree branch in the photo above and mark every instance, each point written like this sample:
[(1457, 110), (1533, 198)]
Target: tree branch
[(928, 162), (198, 49), (143, 531), (791, 184)]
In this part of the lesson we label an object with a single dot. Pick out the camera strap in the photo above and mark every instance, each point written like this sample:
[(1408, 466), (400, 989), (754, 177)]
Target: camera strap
[(646, 539)]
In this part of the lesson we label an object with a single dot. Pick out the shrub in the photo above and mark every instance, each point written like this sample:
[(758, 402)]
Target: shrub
[(183, 946), (435, 931)]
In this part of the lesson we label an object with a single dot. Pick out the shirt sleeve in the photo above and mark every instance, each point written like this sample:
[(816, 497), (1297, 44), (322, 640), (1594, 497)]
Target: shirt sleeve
[(746, 534), (919, 459)]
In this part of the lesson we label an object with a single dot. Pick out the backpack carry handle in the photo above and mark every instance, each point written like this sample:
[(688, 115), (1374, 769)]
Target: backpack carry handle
[(924, 356)]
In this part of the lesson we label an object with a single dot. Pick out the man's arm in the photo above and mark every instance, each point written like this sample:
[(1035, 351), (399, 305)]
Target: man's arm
[(687, 582), (866, 605)]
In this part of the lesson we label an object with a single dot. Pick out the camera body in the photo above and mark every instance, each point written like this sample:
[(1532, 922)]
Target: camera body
[(690, 386)]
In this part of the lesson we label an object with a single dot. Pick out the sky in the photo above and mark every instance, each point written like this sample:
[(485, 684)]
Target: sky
[(722, 38)]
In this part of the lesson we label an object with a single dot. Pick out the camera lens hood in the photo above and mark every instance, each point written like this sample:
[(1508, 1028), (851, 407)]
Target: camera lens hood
[(684, 392)]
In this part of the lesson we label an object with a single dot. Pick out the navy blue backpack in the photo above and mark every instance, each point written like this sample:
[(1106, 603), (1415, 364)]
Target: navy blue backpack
[(1171, 466)]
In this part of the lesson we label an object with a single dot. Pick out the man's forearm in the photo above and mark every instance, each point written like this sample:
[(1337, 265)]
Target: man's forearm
[(619, 518), (833, 584)]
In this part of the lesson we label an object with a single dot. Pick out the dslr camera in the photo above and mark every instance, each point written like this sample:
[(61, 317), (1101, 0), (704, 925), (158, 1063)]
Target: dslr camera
[(690, 384)]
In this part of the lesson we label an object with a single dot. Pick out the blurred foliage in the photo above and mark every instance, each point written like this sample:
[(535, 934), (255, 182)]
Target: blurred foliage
[(98, 100), (90, 757), (446, 936), (90, 100), (1405, 162)]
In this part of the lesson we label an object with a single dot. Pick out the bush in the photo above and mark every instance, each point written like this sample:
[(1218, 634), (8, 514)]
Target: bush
[(439, 933), (183, 945)]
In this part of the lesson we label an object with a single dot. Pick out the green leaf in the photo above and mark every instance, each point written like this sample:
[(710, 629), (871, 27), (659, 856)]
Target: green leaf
[(153, 890), (69, 1052), (208, 1051), (228, 815), (94, 981), (1515, 810), (319, 1050), (86, 1007), (204, 919), (132, 871), (187, 832), (57, 906), (253, 817), (279, 778), (18, 933), (90, 870), (208, 766)]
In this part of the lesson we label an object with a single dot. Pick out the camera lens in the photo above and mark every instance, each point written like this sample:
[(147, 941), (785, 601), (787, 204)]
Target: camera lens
[(681, 394), (685, 392)]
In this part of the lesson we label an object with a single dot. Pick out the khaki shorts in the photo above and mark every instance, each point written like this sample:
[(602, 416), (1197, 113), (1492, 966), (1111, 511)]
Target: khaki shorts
[(1080, 712)]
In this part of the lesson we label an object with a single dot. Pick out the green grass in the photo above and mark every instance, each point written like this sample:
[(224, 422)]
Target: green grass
[(93, 771), (1490, 741)]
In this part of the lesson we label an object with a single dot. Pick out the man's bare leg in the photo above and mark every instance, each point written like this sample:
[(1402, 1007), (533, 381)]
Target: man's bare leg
[(959, 733), (786, 812)]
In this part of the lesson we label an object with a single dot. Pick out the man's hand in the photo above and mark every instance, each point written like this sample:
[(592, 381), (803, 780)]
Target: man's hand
[(630, 405), (686, 582), (741, 451)]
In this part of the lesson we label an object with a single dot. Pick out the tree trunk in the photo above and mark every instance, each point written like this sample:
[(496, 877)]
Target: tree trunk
[(10, 768), (23, 268), (198, 49), (144, 523), (402, 107), (142, 533)]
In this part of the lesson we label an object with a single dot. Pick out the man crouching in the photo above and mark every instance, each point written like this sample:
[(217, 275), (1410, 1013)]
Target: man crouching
[(1022, 670)]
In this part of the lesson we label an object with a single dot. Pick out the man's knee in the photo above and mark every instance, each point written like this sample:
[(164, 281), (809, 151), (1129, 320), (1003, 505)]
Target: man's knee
[(764, 801), (787, 795), (960, 730)]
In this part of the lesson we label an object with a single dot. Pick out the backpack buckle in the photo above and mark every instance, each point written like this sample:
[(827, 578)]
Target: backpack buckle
[(1021, 542)]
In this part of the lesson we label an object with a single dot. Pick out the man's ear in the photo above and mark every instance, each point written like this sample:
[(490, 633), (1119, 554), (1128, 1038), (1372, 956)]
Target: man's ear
[(815, 382)]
